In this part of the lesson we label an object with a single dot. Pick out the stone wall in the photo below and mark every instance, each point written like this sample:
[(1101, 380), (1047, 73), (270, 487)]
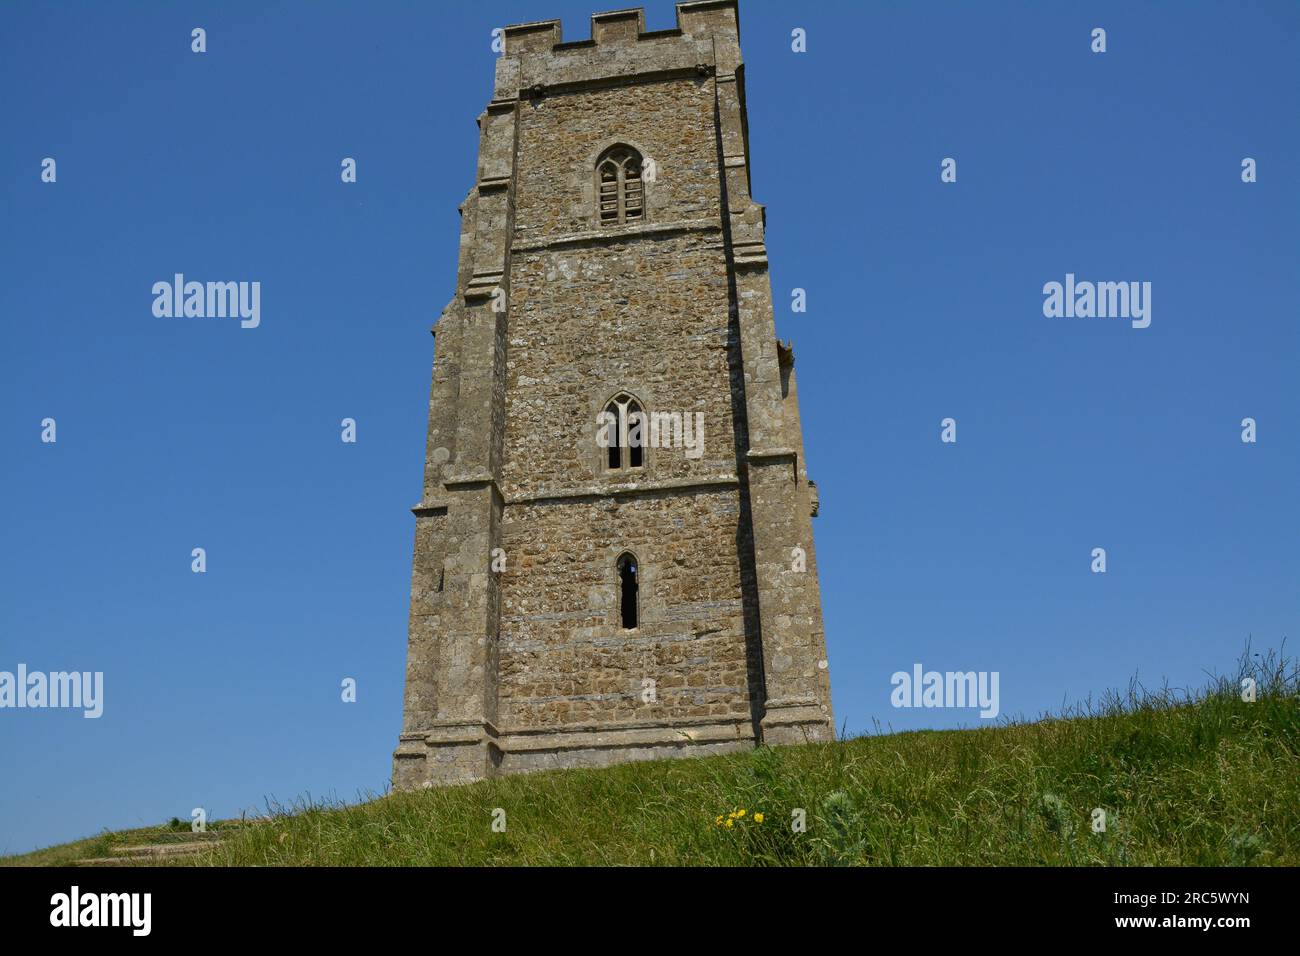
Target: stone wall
[(565, 657), (562, 135), (645, 314)]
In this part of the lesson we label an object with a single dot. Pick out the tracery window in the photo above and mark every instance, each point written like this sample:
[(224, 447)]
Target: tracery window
[(619, 188)]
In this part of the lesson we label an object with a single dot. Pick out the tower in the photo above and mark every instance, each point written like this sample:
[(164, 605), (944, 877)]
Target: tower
[(613, 553)]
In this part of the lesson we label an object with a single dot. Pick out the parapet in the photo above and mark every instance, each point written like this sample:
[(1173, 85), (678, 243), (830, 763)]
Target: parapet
[(698, 19), (537, 62)]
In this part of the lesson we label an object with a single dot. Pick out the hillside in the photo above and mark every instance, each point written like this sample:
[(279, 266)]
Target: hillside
[(1210, 781)]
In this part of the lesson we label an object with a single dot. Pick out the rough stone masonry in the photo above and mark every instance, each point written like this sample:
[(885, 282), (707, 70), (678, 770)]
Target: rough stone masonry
[(574, 604)]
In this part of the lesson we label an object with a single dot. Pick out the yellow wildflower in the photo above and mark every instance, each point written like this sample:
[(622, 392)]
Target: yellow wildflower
[(730, 824), (758, 818)]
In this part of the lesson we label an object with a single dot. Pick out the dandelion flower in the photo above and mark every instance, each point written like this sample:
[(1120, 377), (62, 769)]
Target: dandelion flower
[(758, 818)]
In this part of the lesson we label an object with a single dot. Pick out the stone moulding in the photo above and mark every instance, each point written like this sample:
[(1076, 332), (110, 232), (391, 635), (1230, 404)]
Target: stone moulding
[(588, 491), (540, 747), (615, 234), (596, 490)]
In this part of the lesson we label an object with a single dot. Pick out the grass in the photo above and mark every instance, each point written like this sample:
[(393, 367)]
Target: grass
[(1199, 780), (102, 844)]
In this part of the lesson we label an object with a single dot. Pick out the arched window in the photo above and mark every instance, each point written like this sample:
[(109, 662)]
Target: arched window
[(623, 429), (620, 191), (627, 588)]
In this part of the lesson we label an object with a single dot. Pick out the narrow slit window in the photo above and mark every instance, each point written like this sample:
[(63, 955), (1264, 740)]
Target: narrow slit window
[(632, 191), (613, 446), (636, 426), (609, 191), (627, 589)]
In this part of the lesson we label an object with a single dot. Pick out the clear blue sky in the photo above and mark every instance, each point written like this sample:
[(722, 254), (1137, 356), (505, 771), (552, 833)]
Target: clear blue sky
[(925, 301)]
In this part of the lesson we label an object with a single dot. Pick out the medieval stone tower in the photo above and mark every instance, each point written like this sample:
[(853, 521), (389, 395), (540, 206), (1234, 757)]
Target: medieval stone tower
[(613, 555)]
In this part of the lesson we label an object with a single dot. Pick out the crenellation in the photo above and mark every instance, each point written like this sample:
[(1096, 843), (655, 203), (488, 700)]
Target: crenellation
[(707, 18), (540, 36), (699, 20), (617, 27)]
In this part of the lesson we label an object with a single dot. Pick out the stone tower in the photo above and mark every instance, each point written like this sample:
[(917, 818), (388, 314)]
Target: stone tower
[(613, 555)]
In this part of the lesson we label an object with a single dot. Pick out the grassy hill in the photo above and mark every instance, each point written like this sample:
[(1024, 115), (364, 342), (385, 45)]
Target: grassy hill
[(1213, 780)]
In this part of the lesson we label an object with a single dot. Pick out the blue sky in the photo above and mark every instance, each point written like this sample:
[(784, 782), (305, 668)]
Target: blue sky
[(924, 302)]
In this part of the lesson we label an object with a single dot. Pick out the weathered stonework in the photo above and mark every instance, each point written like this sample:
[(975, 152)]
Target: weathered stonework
[(530, 665)]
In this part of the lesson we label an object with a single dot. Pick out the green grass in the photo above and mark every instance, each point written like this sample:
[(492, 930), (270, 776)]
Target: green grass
[(1205, 780), (101, 845)]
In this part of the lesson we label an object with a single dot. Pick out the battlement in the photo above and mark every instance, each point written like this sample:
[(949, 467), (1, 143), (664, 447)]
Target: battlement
[(697, 19), (536, 60)]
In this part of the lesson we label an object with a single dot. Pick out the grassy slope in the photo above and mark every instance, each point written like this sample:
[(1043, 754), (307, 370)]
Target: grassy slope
[(1216, 781), (101, 844)]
